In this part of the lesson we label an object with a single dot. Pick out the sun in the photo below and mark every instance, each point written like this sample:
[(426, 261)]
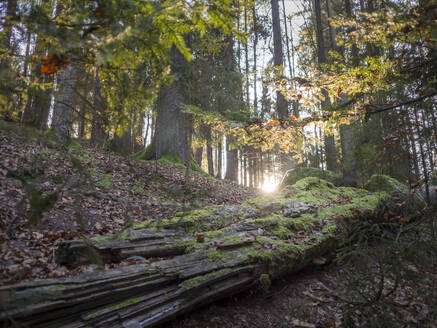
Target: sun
[(269, 186)]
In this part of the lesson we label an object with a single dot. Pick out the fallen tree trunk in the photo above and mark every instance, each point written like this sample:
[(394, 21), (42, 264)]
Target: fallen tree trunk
[(211, 253)]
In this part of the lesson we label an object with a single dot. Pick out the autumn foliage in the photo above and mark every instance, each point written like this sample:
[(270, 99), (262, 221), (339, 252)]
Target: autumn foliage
[(52, 64)]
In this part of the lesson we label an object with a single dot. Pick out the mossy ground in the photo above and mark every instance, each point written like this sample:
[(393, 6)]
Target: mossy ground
[(381, 182), (283, 242), (298, 173)]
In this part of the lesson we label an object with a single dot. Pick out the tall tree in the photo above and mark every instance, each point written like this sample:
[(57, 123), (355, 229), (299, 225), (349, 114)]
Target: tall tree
[(64, 102), (278, 58), (330, 150), (173, 126), (346, 131)]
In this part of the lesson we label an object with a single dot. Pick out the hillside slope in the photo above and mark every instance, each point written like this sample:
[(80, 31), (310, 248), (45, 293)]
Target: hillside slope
[(79, 191)]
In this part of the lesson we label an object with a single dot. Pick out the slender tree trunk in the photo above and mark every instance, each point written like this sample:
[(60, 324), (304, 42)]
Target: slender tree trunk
[(210, 160), (82, 122), (349, 12), (428, 143), (139, 131), (255, 43), (246, 52), (98, 115), (37, 108), (146, 135), (233, 105), (290, 68), (422, 156), (64, 102), (413, 148), (198, 153), (331, 152), (278, 60), (231, 160), (220, 159)]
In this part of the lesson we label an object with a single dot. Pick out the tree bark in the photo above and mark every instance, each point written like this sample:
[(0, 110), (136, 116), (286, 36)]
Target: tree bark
[(255, 43), (220, 159), (173, 127), (98, 114), (233, 103), (330, 150), (231, 160), (278, 58), (210, 160), (198, 153), (64, 102)]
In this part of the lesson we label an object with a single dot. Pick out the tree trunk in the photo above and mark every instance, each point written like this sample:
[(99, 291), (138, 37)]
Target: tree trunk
[(64, 102), (255, 43), (231, 160), (173, 127), (139, 133), (98, 115), (347, 145), (198, 153), (233, 102), (220, 159), (330, 150), (210, 160), (37, 108), (278, 60), (246, 53)]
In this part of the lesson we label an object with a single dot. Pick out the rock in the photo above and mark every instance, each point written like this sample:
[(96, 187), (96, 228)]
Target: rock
[(295, 209)]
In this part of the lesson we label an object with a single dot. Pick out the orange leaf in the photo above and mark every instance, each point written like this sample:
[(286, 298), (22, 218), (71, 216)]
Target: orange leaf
[(273, 123), (293, 118), (52, 64)]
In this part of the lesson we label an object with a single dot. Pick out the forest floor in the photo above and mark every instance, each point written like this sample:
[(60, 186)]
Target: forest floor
[(99, 192)]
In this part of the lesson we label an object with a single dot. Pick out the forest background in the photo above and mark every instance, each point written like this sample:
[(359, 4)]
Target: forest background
[(243, 89)]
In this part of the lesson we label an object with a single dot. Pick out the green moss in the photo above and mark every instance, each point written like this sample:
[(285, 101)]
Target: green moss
[(202, 220), (115, 307), (265, 282), (38, 203), (298, 173), (197, 281), (196, 168), (126, 303), (74, 145), (139, 189), (35, 295), (102, 239), (21, 130), (177, 161), (103, 180), (146, 154), (381, 182)]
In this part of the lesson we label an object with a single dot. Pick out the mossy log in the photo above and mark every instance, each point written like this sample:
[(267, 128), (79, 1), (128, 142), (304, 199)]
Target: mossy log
[(210, 254)]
